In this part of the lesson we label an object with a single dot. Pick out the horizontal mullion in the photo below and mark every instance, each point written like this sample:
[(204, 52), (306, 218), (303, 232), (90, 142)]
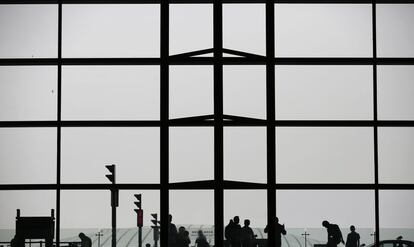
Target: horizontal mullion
[(200, 1), (205, 61), (172, 123), (208, 185)]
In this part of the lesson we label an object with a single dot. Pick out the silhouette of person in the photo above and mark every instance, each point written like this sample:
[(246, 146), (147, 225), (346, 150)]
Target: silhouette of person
[(201, 240), (172, 232), (227, 229), (227, 232), (279, 230), (334, 234), (352, 239), (183, 239), (247, 234), (235, 232), (148, 245), (85, 240)]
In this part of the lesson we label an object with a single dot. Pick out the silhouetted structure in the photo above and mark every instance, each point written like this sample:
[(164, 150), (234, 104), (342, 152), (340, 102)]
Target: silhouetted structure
[(34, 228), (201, 240), (279, 230), (85, 240), (352, 239), (247, 234), (334, 234)]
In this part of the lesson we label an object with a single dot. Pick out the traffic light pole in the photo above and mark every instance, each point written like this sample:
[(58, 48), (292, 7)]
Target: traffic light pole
[(113, 221), (140, 236), (114, 201), (140, 216)]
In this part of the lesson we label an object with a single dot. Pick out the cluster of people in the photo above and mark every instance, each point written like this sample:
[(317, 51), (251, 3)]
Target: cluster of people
[(335, 236), (237, 235), (181, 238)]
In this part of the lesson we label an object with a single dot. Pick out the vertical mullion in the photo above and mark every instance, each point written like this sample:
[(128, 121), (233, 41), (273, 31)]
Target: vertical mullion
[(270, 113), (59, 123), (164, 129), (375, 118), (218, 122)]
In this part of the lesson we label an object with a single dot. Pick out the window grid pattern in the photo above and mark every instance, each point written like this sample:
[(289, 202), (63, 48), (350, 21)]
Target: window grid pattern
[(220, 119)]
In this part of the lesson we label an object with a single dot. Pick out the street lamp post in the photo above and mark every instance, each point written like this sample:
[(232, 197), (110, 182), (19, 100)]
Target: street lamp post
[(305, 235), (99, 235)]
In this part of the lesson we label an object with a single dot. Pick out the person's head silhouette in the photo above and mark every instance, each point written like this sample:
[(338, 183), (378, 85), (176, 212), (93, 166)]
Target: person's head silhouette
[(277, 220), (352, 228), (236, 219), (325, 223), (247, 222)]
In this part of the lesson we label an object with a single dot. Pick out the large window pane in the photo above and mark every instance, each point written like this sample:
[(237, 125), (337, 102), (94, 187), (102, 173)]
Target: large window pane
[(191, 154), (395, 35), (134, 151), (107, 30), (396, 214), (110, 92), (191, 91), (28, 31), (28, 93), (191, 27), (87, 211), (244, 28), (395, 154), (304, 210), (127, 217), (245, 154), (323, 30), (247, 205), (395, 92), (27, 155), (31, 203), (244, 90), (323, 92), (324, 155)]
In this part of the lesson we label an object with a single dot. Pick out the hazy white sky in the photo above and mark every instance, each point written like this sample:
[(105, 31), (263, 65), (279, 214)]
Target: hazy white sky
[(304, 155)]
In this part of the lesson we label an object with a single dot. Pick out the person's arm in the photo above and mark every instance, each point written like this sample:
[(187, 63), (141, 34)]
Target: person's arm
[(283, 231)]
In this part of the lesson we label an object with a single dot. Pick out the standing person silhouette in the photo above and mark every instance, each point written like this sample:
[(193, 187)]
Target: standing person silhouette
[(201, 240), (235, 233), (279, 230), (227, 232), (353, 238), (172, 232), (247, 234), (334, 234)]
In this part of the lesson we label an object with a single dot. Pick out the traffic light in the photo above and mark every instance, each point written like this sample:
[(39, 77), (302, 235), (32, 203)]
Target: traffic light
[(111, 169), (154, 221), (139, 211), (156, 228), (138, 202)]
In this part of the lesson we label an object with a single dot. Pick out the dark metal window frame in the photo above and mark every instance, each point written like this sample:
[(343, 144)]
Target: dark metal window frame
[(220, 119)]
